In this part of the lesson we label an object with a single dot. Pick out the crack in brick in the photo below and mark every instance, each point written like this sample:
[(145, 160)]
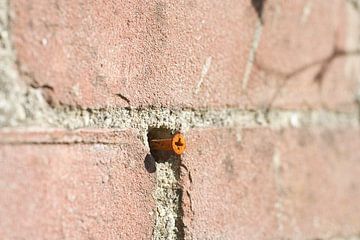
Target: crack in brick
[(187, 211), (123, 98), (324, 64)]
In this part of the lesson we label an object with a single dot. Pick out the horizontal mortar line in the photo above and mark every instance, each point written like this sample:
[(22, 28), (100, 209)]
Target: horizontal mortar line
[(184, 119), (31, 136)]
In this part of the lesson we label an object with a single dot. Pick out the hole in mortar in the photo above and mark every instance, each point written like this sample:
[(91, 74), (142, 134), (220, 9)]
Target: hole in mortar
[(160, 133)]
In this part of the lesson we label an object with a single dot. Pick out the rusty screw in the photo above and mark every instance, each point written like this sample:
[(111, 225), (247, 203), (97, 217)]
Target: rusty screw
[(175, 144)]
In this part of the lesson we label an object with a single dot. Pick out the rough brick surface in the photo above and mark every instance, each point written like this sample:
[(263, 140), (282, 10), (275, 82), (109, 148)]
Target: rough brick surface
[(302, 56), (75, 191), (260, 184), (265, 91), (191, 53), (228, 186), (320, 188)]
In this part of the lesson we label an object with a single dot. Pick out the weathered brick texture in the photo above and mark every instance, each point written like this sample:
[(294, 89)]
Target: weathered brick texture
[(75, 189), (186, 53), (266, 92), (263, 184)]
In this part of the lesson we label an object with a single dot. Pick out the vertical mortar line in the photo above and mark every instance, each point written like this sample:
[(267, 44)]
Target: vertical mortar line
[(168, 192), (167, 195)]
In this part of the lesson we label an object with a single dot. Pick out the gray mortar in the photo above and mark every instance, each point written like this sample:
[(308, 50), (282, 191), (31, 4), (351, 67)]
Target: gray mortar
[(182, 119), (185, 119), (10, 107), (167, 202), (19, 105)]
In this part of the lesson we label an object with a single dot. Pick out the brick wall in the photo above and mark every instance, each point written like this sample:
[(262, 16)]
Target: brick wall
[(266, 94)]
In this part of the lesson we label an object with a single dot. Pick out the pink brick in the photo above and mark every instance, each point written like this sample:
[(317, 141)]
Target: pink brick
[(261, 184), (321, 185), (232, 194), (75, 191), (174, 53), (299, 37)]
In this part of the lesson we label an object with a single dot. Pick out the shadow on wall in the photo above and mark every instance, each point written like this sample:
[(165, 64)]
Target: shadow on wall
[(149, 163)]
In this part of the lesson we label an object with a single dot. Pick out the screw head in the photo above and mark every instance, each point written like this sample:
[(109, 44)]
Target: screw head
[(178, 143)]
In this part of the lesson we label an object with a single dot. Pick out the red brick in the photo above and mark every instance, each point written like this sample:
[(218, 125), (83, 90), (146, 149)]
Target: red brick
[(295, 66), (293, 184), (232, 194), (321, 185), (75, 191), (154, 53)]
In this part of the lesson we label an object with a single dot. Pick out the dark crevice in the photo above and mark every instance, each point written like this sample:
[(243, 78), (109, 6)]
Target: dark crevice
[(337, 53), (123, 97), (179, 221), (258, 6), (43, 87)]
